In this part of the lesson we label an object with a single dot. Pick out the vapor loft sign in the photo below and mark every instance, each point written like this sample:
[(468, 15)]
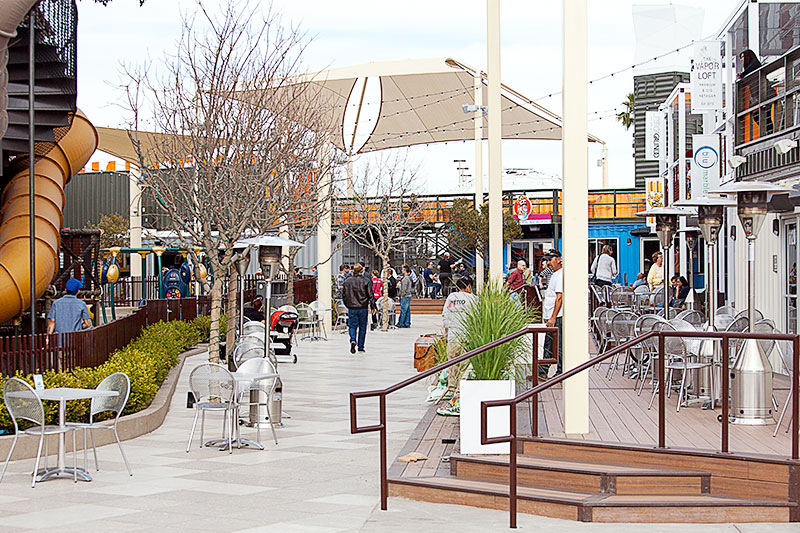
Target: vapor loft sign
[(706, 77)]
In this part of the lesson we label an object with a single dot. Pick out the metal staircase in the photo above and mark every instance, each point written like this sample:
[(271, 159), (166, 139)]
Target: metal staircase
[(55, 78)]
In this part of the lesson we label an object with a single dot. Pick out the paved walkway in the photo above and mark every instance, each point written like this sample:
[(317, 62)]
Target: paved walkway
[(319, 478)]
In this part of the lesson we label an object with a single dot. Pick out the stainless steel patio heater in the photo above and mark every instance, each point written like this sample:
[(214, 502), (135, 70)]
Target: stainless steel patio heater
[(666, 228), (751, 373), (710, 213)]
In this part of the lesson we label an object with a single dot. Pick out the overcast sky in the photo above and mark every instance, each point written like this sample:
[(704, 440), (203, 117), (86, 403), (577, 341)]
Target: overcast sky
[(358, 31)]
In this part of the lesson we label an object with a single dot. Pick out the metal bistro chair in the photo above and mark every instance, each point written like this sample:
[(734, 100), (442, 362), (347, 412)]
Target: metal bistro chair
[(679, 357), (644, 324), (695, 318), (341, 316), (118, 382), (726, 310), (738, 325), (318, 315), (23, 403), (622, 331), (595, 323), (392, 312), (743, 313), (213, 388), (305, 319), (266, 386)]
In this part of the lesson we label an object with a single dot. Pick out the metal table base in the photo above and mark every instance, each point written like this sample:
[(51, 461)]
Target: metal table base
[(44, 475)]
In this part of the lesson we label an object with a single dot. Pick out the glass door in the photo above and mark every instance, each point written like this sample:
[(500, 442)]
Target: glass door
[(790, 277)]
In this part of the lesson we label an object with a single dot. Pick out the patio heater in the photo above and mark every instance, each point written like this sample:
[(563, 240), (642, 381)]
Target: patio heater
[(710, 213), (691, 234), (751, 374), (241, 266), (666, 228)]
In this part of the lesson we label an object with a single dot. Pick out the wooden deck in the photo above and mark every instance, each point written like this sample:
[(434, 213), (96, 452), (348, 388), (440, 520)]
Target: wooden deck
[(617, 415)]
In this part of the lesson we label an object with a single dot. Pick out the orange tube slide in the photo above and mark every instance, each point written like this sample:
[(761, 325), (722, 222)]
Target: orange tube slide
[(52, 172)]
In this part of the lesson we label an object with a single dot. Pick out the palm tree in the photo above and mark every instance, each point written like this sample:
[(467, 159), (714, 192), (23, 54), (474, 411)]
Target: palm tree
[(626, 117)]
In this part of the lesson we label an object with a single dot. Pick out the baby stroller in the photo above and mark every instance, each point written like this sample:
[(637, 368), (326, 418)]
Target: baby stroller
[(283, 323)]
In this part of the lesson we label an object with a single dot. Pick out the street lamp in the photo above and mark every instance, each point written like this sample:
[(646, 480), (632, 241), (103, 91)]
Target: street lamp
[(751, 375), (666, 228)]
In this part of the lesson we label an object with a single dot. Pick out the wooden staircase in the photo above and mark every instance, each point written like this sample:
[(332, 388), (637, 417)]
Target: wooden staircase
[(426, 306), (594, 482)]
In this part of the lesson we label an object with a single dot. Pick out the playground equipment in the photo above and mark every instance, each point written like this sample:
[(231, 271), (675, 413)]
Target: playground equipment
[(52, 172)]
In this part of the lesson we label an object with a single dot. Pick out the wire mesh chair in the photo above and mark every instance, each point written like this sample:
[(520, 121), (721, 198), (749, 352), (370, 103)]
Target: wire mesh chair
[(743, 313), (213, 388), (318, 315), (118, 382), (305, 319), (726, 310), (644, 324), (392, 312), (738, 325), (341, 315), (23, 403), (622, 331), (265, 386), (680, 357), (249, 347), (605, 327), (695, 318), (595, 322)]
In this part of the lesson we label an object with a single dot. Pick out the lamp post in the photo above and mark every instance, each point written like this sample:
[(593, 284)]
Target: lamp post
[(751, 374), (158, 250), (666, 228)]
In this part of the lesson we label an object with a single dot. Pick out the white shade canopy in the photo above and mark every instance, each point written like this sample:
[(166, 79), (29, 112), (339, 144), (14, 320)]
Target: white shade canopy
[(266, 240), (420, 102)]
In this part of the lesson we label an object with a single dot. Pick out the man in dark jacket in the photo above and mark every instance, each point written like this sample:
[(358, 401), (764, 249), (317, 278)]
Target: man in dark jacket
[(357, 296)]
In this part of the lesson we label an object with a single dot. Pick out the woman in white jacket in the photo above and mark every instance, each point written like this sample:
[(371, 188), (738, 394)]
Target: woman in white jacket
[(604, 268)]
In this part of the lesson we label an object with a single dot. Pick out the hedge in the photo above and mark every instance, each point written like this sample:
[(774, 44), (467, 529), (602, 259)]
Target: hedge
[(146, 360)]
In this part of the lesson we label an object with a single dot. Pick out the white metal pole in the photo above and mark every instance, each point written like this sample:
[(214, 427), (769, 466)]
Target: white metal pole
[(324, 241), (575, 160), (495, 142), (479, 172), (681, 248)]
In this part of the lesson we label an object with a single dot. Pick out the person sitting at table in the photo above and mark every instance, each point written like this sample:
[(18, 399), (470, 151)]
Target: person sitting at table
[(680, 287), (252, 311)]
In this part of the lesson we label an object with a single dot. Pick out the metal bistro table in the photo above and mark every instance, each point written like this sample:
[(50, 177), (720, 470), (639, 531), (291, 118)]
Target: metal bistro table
[(240, 378), (62, 395)]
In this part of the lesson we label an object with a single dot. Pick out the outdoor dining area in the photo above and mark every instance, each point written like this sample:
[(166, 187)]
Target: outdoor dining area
[(26, 410)]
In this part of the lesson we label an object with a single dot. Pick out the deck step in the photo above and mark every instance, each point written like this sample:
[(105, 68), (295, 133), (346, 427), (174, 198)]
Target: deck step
[(424, 306), (587, 506), (581, 475)]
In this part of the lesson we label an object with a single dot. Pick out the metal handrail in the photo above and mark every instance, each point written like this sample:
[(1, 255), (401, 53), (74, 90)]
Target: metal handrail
[(725, 337), (382, 393)]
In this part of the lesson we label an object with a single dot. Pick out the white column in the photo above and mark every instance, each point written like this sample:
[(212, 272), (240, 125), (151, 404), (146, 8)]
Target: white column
[(753, 28), (478, 171), (324, 245), (575, 160), (682, 160), (135, 218), (495, 142)]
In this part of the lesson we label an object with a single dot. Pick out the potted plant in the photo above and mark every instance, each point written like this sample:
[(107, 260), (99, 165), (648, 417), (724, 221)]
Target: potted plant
[(493, 314)]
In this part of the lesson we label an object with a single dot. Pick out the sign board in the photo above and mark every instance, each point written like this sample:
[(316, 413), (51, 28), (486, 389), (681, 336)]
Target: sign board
[(522, 208), (706, 77), (654, 195), (654, 135), (705, 164)]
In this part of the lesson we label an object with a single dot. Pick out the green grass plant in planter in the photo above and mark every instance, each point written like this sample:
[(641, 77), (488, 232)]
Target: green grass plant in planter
[(494, 314), (491, 315)]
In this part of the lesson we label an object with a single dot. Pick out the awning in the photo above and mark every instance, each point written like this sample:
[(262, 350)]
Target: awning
[(421, 102), (117, 142)]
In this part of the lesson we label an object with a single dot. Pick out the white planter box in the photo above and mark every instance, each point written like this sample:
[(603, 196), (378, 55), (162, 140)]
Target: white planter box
[(473, 392)]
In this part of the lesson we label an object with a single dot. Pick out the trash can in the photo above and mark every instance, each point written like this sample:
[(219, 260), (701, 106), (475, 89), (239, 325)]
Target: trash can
[(751, 386)]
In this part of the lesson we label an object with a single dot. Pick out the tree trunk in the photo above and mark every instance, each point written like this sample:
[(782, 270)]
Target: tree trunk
[(385, 306), (290, 279), (232, 309), (216, 314)]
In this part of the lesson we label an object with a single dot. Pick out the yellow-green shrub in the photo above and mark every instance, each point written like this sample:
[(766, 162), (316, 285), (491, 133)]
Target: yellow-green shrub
[(147, 361)]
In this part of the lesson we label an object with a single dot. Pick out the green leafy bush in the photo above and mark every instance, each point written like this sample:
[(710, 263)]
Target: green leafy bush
[(147, 361)]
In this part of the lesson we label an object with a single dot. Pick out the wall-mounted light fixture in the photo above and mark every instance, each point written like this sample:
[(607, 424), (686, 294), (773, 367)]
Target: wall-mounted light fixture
[(629, 241), (776, 227), (733, 233), (784, 146), (736, 160)]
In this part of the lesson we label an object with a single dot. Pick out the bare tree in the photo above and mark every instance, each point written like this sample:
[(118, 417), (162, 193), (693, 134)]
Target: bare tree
[(384, 210), (232, 126)]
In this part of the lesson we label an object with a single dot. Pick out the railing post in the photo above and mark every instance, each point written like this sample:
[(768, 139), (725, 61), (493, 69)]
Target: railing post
[(795, 399), (535, 382), (662, 385), (384, 480), (512, 466), (725, 392)]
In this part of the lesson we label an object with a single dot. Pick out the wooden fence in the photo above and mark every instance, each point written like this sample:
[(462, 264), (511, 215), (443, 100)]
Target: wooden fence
[(91, 347)]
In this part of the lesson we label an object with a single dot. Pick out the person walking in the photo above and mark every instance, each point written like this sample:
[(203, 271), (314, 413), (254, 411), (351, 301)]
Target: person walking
[(516, 278), (604, 268), (552, 310), (446, 272), (404, 292), (358, 298), (68, 313), (344, 272), (544, 274), (377, 293)]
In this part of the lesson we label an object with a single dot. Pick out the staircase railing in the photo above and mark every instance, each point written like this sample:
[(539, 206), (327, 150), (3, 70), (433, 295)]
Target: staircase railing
[(725, 337), (380, 427)]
